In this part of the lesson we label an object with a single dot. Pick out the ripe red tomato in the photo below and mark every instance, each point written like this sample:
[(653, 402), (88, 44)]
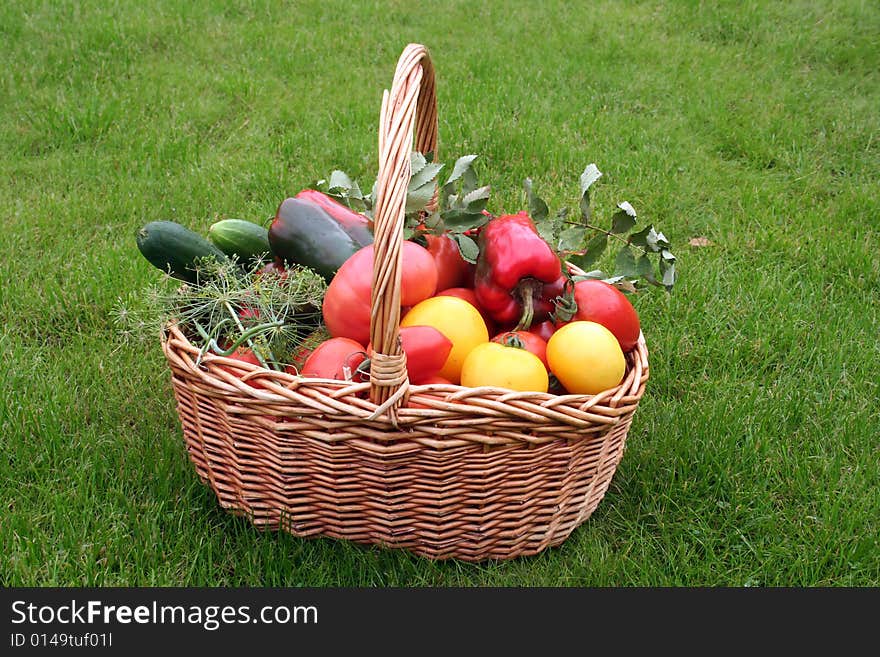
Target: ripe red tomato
[(276, 267), (470, 296), (347, 300), (436, 379), (452, 269), (524, 340), (543, 329), (426, 351), (600, 302), (336, 358), (245, 355)]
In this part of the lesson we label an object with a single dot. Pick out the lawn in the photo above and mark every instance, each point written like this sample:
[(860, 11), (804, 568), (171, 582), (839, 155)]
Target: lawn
[(754, 457)]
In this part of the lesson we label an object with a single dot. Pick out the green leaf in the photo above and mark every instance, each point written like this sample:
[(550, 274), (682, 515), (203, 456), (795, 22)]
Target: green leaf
[(459, 219), (652, 241), (586, 210), (538, 209), (417, 199), (462, 165), (339, 180), (476, 200), (641, 238), (571, 239), (427, 174), (645, 268), (624, 219), (417, 162), (590, 175), (547, 231), (625, 263), (469, 181), (435, 222), (667, 273), (468, 247), (594, 250)]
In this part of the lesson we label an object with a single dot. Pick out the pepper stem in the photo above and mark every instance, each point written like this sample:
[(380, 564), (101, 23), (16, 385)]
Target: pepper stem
[(527, 290)]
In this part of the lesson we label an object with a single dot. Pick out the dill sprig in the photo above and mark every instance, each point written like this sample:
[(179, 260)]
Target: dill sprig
[(231, 306)]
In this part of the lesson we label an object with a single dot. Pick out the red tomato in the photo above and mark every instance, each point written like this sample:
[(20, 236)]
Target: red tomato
[(336, 358), (245, 355), (274, 267), (435, 380), (528, 340), (543, 329), (347, 300), (452, 269), (426, 351), (600, 302), (249, 313), (470, 296)]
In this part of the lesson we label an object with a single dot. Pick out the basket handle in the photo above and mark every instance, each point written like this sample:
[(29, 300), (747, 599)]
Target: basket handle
[(409, 108)]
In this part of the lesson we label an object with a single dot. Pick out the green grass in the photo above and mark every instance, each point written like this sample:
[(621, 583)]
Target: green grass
[(754, 458)]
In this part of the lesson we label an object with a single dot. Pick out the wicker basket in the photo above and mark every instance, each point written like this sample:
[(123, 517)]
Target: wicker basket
[(441, 470)]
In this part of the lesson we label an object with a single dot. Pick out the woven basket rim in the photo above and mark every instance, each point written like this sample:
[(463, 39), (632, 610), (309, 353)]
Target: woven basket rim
[(281, 393)]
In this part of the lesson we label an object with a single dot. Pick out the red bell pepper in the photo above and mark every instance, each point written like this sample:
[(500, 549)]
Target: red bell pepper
[(519, 276)]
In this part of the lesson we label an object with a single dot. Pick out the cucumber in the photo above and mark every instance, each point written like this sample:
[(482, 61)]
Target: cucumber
[(244, 239), (175, 249)]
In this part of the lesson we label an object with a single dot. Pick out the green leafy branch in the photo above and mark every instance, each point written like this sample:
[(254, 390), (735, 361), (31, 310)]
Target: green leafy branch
[(454, 207), (644, 256)]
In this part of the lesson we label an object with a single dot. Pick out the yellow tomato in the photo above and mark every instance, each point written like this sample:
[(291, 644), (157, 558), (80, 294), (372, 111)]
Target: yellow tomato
[(457, 320), (500, 366), (586, 358)]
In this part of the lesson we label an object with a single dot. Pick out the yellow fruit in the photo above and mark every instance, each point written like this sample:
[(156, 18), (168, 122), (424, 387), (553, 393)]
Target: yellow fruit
[(457, 320), (586, 358), (500, 366)]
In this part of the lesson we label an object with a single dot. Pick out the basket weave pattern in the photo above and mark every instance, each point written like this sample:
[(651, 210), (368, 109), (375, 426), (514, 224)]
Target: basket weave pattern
[(442, 470)]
